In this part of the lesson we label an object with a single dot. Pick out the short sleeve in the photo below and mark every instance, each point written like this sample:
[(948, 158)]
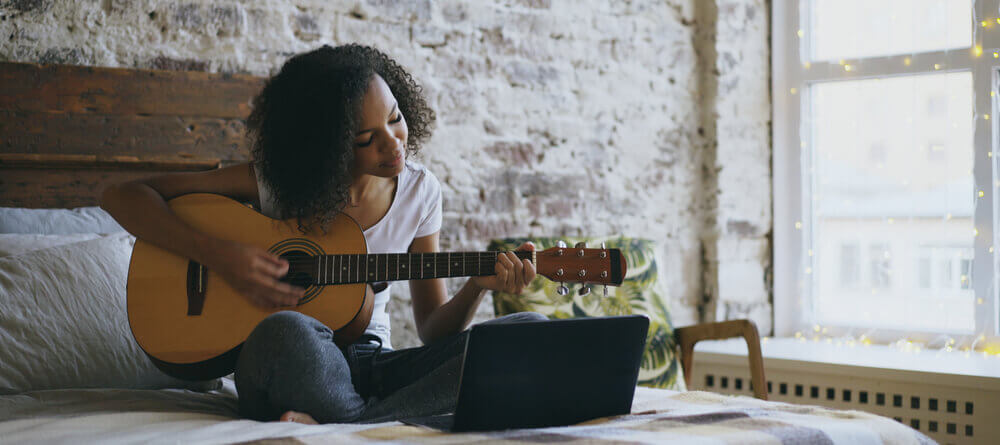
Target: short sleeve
[(430, 219)]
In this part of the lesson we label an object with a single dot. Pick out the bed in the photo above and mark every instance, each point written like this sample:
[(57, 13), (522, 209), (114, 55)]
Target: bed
[(71, 372), (659, 416)]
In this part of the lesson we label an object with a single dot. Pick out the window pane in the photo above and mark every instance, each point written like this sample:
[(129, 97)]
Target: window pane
[(844, 29), (850, 266), (893, 195)]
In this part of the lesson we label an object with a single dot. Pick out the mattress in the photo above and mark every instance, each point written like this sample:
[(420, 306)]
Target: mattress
[(658, 416)]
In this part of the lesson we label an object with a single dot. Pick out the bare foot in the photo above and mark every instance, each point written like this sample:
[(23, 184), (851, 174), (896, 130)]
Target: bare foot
[(295, 416)]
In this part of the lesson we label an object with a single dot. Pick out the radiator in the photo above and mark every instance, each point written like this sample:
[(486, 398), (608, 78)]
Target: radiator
[(950, 408)]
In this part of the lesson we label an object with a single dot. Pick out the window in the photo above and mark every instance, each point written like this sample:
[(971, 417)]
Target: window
[(885, 178)]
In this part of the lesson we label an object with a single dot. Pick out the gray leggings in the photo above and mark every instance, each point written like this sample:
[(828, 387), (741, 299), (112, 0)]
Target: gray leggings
[(290, 362)]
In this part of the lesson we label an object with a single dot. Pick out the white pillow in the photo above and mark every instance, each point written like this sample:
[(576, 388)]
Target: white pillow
[(63, 322), (18, 243), (57, 221)]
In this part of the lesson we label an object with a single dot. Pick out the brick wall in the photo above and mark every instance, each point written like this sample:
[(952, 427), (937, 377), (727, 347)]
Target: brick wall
[(648, 118)]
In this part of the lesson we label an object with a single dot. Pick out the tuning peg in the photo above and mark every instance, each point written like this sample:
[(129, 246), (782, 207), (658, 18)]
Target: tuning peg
[(603, 246), (584, 290), (561, 244), (580, 245), (562, 289), (605, 290)]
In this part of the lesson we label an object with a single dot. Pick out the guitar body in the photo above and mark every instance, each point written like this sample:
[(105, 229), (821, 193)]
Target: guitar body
[(192, 324)]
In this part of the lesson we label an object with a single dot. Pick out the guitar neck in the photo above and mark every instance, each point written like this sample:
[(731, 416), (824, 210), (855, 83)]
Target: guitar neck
[(376, 267)]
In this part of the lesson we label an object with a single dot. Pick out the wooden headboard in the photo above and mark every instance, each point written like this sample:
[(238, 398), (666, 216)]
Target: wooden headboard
[(66, 132)]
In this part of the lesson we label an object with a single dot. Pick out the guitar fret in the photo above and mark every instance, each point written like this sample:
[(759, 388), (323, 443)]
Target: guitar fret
[(408, 258), (347, 268)]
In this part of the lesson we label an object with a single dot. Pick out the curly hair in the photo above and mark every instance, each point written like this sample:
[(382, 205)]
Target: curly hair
[(302, 127)]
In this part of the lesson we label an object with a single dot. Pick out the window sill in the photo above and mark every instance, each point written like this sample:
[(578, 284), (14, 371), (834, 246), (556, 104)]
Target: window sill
[(955, 368)]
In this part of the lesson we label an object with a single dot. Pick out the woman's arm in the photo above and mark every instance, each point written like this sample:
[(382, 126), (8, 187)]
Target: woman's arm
[(436, 318), (140, 207)]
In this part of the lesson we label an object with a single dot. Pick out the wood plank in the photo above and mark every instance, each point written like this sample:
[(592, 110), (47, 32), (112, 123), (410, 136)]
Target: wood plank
[(71, 161), (58, 188), (143, 136), (119, 91)]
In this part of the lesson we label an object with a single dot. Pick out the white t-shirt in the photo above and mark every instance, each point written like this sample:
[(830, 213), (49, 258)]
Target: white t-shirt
[(415, 212)]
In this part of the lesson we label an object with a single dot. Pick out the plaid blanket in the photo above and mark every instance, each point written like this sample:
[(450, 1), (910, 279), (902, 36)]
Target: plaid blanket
[(667, 417)]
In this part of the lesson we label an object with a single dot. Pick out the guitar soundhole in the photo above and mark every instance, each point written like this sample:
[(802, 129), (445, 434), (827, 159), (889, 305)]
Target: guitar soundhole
[(301, 254), (299, 266)]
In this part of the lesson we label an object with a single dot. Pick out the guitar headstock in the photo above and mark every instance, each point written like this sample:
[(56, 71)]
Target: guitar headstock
[(580, 264)]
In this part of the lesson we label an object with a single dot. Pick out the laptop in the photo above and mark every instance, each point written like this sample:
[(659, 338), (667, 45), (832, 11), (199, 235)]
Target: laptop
[(545, 373)]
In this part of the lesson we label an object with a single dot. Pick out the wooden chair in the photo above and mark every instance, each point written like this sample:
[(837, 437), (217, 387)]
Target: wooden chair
[(687, 336)]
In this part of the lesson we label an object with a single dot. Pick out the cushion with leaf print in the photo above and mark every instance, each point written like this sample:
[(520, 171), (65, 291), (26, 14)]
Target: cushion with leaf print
[(640, 293)]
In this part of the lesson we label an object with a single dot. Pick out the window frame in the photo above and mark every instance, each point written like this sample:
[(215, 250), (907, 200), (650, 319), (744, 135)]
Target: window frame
[(793, 222)]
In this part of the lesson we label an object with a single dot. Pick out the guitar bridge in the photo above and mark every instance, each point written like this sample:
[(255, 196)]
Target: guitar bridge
[(195, 288)]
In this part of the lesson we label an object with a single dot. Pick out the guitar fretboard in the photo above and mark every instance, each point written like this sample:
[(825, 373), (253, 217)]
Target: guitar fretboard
[(375, 267)]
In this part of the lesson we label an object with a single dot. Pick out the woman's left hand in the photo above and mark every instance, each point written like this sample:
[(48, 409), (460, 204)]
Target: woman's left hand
[(512, 274)]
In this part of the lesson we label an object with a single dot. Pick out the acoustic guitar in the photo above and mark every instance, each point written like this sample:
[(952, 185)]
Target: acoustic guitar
[(191, 323)]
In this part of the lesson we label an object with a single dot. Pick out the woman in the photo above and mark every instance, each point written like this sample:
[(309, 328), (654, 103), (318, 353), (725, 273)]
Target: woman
[(331, 132)]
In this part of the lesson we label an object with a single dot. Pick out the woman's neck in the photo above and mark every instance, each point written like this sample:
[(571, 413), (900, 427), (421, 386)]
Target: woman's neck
[(368, 187)]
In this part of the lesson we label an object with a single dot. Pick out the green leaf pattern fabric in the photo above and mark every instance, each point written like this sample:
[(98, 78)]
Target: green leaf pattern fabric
[(640, 293)]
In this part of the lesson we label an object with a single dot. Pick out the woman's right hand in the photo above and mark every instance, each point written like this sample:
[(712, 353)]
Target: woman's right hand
[(254, 273)]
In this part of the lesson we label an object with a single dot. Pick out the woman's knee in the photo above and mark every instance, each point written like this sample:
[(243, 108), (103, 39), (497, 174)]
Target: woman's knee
[(288, 325)]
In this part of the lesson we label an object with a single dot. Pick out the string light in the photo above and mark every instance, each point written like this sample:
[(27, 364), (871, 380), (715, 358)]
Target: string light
[(794, 90), (807, 65), (905, 345), (937, 66), (848, 67), (798, 225), (986, 116), (800, 33), (977, 50), (907, 61)]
